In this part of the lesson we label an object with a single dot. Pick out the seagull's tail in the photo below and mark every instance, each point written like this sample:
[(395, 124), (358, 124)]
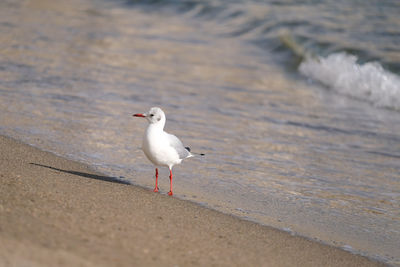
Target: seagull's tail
[(192, 154)]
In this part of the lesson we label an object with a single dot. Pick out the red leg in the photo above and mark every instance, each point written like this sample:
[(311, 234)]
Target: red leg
[(170, 183), (156, 187)]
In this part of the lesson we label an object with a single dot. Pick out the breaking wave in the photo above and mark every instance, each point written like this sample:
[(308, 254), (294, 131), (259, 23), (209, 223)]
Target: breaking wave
[(368, 82)]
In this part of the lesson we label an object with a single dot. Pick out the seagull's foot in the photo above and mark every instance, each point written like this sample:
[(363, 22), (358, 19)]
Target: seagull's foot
[(155, 189), (170, 193)]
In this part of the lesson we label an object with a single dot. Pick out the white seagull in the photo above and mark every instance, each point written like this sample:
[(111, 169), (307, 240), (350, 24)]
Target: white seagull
[(160, 147)]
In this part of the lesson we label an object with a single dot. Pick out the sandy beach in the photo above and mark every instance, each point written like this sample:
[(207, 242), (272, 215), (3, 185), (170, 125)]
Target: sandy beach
[(56, 212)]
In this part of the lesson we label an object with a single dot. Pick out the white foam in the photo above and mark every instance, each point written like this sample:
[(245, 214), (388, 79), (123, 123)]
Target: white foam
[(342, 73)]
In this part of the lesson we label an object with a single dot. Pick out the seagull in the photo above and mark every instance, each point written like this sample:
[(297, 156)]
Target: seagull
[(160, 147)]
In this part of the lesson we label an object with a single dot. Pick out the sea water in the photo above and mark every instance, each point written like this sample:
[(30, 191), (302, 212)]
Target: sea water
[(296, 104)]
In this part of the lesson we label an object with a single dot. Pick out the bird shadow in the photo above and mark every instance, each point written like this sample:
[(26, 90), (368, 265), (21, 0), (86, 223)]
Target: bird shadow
[(86, 175)]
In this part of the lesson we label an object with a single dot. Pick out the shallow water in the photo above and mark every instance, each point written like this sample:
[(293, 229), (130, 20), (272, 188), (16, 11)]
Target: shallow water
[(313, 156)]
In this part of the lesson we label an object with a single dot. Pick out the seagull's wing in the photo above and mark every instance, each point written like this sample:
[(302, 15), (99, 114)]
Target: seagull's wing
[(178, 146)]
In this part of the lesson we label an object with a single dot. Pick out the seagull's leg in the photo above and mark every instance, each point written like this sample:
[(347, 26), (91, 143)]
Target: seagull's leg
[(170, 183), (156, 187)]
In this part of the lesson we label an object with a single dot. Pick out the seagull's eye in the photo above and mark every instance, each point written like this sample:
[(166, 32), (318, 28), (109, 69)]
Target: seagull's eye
[(151, 115)]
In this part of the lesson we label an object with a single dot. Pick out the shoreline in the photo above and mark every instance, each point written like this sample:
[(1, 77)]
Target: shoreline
[(55, 211)]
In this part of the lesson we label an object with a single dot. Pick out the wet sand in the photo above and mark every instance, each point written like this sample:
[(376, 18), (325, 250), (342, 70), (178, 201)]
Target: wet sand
[(57, 212)]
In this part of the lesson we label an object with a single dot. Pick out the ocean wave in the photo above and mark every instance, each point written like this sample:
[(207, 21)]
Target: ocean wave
[(326, 47), (342, 73)]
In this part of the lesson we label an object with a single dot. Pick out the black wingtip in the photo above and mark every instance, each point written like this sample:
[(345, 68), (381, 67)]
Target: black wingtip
[(188, 149)]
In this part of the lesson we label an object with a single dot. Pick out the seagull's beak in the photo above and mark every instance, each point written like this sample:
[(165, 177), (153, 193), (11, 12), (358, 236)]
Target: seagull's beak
[(139, 115)]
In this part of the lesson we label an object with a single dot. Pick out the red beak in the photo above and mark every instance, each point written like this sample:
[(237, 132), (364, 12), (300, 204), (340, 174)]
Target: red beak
[(139, 115)]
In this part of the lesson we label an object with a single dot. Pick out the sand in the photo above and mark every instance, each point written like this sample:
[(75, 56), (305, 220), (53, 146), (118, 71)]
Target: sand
[(57, 212)]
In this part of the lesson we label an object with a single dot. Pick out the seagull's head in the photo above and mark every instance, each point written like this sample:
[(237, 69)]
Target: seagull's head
[(154, 115)]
